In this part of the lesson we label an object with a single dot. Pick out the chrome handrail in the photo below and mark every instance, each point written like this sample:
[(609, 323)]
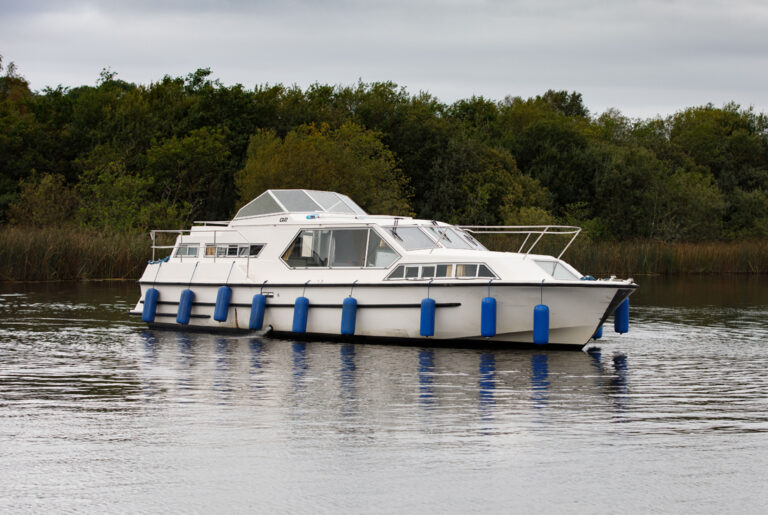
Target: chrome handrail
[(528, 230)]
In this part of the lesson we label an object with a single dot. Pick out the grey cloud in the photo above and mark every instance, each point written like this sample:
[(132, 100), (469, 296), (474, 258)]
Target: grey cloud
[(643, 58)]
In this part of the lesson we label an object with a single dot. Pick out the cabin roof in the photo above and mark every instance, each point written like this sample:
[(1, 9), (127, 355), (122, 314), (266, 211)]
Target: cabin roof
[(299, 201)]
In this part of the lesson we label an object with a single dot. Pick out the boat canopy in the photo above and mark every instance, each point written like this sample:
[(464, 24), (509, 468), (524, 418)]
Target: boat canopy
[(299, 201)]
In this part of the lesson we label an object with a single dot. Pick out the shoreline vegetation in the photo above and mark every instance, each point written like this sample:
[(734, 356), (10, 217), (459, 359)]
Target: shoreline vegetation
[(46, 254), (86, 172)]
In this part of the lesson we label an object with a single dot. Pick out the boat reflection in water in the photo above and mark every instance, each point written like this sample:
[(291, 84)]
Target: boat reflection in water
[(539, 380), (613, 382), (426, 380), (380, 384)]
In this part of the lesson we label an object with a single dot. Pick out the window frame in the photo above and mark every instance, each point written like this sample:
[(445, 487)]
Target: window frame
[(454, 267), (182, 250), (341, 228), (221, 250)]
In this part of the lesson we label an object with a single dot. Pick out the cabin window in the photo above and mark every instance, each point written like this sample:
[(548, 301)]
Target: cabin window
[(411, 272), (232, 250), (447, 237), (348, 247), (380, 254), (442, 271), (187, 250), (466, 270), (309, 249), (484, 271), (339, 248), (411, 238)]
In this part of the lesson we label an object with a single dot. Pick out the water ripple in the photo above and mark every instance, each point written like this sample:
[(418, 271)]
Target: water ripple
[(99, 414)]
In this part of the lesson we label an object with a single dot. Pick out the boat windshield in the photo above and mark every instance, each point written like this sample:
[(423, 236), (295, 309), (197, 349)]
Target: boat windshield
[(556, 269), (411, 238), (447, 237)]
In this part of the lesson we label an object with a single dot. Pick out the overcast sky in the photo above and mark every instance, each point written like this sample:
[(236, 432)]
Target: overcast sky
[(644, 58)]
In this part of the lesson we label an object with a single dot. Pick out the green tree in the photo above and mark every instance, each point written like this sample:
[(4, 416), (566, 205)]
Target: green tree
[(193, 174), (350, 160), (120, 201), (44, 201), (473, 183)]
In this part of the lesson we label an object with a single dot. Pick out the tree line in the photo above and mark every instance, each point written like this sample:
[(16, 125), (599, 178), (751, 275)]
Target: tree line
[(123, 157)]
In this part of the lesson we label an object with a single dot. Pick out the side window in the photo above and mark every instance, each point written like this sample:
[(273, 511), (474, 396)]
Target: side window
[(309, 249), (466, 270), (397, 273), (412, 272), (232, 250), (444, 270), (187, 250), (339, 248), (348, 247), (484, 271), (380, 254)]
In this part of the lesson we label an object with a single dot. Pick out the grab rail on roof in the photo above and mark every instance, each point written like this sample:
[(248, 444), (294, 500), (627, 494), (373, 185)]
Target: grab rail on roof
[(528, 230)]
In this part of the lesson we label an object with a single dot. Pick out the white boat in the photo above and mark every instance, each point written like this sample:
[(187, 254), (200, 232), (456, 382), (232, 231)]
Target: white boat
[(287, 262)]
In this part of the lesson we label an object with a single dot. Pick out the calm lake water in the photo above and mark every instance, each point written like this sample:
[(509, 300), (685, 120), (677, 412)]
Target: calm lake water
[(99, 414)]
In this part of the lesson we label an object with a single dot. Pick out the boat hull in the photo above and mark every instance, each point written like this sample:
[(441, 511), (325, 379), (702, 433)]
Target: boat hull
[(392, 312)]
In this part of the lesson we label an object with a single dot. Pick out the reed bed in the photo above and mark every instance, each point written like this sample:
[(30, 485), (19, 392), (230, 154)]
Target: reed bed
[(651, 257), (642, 257), (50, 254)]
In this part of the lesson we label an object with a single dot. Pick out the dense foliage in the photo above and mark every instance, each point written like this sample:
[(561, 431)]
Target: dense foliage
[(122, 157)]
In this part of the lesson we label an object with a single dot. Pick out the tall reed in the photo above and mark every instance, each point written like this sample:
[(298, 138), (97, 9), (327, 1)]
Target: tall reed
[(73, 254), (653, 257), (50, 254)]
